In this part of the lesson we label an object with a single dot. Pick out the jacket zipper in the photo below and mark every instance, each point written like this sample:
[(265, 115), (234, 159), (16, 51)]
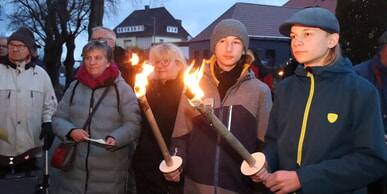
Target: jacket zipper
[(88, 143), (305, 119)]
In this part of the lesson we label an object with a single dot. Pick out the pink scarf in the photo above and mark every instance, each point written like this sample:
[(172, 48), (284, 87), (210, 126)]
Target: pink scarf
[(110, 73)]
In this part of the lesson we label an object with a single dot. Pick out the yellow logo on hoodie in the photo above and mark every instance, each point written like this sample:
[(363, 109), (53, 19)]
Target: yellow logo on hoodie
[(332, 117)]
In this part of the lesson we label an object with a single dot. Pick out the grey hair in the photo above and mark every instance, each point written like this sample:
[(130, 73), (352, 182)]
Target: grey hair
[(100, 45), (111, 33)]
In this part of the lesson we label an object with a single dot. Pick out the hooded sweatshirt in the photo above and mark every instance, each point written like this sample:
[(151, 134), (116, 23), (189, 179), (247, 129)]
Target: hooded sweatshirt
[(325, 124)]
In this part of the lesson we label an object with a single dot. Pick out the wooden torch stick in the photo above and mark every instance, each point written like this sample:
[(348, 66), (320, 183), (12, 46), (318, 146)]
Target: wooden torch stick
[(252, 162), (169, 163), (155, 129), (229, 137)]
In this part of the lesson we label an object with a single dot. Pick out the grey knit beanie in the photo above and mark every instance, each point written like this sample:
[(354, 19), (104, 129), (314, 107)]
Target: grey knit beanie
[(25, 36), (312, 17), (229, 27)]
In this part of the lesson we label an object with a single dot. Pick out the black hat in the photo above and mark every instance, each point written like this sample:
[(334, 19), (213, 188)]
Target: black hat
[(312, 17), (25, 36)]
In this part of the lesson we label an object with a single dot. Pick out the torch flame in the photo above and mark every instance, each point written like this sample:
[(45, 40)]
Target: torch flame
[(191, 81), (142, 80), (134, 59)]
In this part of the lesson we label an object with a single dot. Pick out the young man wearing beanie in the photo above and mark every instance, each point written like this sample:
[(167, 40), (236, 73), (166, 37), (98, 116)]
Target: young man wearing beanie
[(27, 102), (375, 71), (211, 165), (329, 137)]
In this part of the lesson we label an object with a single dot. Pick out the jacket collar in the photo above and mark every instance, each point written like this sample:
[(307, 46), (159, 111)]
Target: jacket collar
[(8, 63), (343, 65)]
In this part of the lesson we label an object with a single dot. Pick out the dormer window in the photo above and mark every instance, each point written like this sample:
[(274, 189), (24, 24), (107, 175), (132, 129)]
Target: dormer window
[(172, 29), (126, 29)]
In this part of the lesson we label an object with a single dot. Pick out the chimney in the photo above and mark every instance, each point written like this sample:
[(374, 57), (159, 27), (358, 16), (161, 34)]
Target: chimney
[(146, 7)]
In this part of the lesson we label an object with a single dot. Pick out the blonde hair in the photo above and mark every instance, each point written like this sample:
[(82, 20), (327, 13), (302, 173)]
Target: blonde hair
[(334, 53), (167, 50)]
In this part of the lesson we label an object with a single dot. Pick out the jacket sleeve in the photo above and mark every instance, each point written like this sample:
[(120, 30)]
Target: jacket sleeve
[(50, 102), (265, 105), (131, 117), (182, 128), (270, 150), (61, 124)]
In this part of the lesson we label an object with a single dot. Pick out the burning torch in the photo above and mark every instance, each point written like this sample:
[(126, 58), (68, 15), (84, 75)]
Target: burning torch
[(170, 163), (252, 162)]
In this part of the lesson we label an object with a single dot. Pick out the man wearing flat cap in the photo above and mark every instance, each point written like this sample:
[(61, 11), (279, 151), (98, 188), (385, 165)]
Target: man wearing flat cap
[(27, 102)]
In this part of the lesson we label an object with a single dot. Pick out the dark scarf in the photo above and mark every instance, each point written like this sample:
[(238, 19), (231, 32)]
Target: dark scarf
[(227, 78), (108, 75), (5, 60)]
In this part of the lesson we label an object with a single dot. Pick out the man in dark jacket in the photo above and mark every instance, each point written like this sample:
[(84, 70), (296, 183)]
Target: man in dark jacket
[(375, 70)]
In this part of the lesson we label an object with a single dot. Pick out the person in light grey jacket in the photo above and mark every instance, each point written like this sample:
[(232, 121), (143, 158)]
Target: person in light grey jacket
[(27, 98), (99, 168)]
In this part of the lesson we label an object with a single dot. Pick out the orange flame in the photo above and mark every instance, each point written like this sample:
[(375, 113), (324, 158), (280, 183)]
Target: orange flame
[(142, 80), (192, 80), (134, 59)]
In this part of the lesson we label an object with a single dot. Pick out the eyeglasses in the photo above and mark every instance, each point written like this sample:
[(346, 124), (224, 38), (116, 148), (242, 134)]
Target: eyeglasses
[(163, 63), (102, 38), (19, 47), (100, 41), (3, 46)]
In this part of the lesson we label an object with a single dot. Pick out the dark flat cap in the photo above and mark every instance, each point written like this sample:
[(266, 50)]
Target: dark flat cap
[(312, 17)]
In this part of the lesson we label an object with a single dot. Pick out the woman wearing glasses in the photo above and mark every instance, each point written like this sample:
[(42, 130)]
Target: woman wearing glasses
[(163, 93), (99, 167)]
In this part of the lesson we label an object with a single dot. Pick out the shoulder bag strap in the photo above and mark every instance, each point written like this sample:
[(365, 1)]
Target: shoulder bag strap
[(95, 107)]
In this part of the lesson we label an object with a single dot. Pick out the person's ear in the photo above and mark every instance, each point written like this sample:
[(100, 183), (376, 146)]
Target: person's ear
[(333, 40)]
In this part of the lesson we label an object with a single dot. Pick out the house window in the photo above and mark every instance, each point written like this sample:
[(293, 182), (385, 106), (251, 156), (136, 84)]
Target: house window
[(172, 29), (126, 29), (270, 56), (127, 44)]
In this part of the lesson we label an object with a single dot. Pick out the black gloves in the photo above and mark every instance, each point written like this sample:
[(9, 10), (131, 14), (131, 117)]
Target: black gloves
[(47, 134)]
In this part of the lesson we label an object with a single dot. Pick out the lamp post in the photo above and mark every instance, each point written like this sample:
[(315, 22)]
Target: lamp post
[(154, 31)]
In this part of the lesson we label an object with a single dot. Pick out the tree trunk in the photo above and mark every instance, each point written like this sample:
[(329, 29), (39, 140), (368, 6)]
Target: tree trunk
[(69, 61), (96, 14)]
